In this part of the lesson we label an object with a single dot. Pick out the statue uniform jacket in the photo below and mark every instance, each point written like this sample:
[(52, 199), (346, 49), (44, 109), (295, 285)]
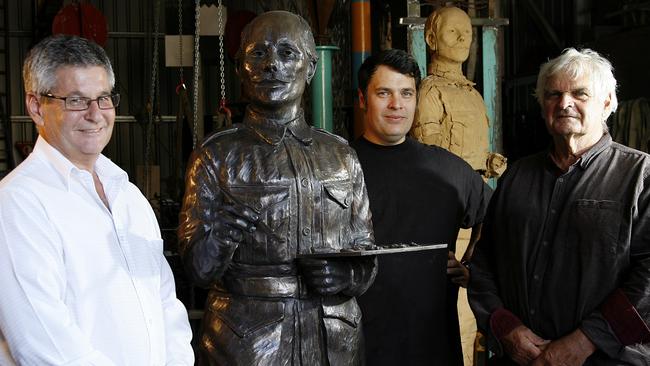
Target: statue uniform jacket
[(451, 114), (307, 187)]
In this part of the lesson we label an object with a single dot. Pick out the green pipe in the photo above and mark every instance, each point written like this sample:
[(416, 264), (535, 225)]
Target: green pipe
[(491, 85), (321, 89)]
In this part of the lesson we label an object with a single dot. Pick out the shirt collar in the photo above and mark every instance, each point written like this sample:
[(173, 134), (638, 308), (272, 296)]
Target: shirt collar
[(107, 171), (273, 132), (589, 156)]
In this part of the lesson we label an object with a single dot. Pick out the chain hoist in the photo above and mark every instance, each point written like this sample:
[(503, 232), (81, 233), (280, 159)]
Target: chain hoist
[(181, 83), (195, 99), (152, 99), (223, 103)]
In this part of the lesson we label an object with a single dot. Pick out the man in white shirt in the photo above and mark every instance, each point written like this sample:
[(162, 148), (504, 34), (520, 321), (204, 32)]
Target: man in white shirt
[(82, 272)]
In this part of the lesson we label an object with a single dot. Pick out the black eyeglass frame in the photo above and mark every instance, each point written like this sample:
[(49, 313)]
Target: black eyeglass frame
[(114, 97)]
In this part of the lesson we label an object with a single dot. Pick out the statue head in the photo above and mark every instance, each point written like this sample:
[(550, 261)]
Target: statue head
[(448, 32), (276, 59)]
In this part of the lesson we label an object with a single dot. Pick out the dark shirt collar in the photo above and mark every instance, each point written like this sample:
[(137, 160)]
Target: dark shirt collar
[(589, 156), (274, 131), (592, 153)]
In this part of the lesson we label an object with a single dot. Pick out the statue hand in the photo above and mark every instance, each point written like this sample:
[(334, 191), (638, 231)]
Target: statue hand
[(326, 276), (231, 221), (496, 164), (227, 226)]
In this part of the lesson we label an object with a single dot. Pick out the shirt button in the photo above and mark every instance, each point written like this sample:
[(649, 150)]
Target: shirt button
[(545, 243), (304, 182), (536, 277), (553, 211), (306, 231), (532, 311), (560, 180), (258, 206)]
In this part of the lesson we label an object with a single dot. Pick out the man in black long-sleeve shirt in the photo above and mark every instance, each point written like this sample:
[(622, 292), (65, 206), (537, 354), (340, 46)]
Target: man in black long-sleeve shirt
[(420, 194), (562, 273)]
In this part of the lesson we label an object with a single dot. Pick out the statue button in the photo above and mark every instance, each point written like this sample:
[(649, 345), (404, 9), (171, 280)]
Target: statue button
[(304, 182), (306, 231)]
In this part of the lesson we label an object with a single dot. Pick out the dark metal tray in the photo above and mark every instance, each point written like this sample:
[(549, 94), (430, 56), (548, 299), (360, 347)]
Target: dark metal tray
[(379, 251)]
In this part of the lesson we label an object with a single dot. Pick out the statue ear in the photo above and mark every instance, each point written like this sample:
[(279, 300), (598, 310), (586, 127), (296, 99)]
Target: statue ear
[(312, 70), (238, 66), (430, 38)]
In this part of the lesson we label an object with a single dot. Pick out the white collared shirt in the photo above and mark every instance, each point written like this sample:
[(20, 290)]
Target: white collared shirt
[(81, 284)]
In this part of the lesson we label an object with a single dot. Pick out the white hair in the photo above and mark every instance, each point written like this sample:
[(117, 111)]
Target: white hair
[(575, 64)]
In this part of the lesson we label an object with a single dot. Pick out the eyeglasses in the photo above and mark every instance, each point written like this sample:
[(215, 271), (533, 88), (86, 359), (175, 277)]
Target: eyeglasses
[(82, 103)]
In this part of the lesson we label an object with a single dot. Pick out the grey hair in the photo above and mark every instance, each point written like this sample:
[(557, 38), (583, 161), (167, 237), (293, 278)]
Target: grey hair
[(578, 63), (55, 52), (306, 37)]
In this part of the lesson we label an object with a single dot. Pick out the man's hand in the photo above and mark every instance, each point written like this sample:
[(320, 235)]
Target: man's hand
[(458, 273), (522, 345), (326, 276), (569, 350)]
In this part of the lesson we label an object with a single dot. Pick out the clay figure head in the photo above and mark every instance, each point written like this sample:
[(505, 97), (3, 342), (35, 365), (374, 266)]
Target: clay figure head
[(448, 32)]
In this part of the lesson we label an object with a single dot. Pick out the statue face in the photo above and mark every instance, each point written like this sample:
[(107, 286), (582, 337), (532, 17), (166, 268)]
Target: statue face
[(454, 36), (274, 66)]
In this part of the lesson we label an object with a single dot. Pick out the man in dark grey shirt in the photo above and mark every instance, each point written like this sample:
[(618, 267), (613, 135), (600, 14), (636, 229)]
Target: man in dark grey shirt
[(562, 272)]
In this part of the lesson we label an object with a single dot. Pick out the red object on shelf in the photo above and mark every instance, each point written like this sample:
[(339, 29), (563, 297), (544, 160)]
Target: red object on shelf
[(81, 19)]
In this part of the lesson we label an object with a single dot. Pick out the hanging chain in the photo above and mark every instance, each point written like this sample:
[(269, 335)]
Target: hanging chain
[(152, 99), (221, 55), (197, 21)]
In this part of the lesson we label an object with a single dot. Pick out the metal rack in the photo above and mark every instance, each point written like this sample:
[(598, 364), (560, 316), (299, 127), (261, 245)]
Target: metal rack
[(6, 150)]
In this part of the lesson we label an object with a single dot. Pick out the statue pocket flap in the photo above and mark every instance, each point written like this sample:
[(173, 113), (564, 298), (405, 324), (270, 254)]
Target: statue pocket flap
[(340, 192), (246, 316), (347, 311), (260, 197)]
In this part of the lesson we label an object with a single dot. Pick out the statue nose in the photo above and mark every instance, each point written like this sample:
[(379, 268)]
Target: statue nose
[(271, 63)]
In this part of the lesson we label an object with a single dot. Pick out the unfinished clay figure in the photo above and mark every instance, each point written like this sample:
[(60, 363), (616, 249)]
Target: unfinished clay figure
[(451, 113)]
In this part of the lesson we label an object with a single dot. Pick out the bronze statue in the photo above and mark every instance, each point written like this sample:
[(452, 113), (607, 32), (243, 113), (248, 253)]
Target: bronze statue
[(263, 193)]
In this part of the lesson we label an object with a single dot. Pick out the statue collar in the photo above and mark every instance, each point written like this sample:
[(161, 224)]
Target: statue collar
[(274, 131), (452, 77)]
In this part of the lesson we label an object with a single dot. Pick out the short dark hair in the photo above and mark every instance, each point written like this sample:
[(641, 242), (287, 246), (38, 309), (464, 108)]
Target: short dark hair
[(397, 60)]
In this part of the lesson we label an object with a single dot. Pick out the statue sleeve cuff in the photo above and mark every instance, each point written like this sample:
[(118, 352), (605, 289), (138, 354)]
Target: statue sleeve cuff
[(624, 319), (503, 322)]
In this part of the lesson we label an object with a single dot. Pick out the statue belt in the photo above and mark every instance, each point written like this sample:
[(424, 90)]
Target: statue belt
[(269, 287)]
